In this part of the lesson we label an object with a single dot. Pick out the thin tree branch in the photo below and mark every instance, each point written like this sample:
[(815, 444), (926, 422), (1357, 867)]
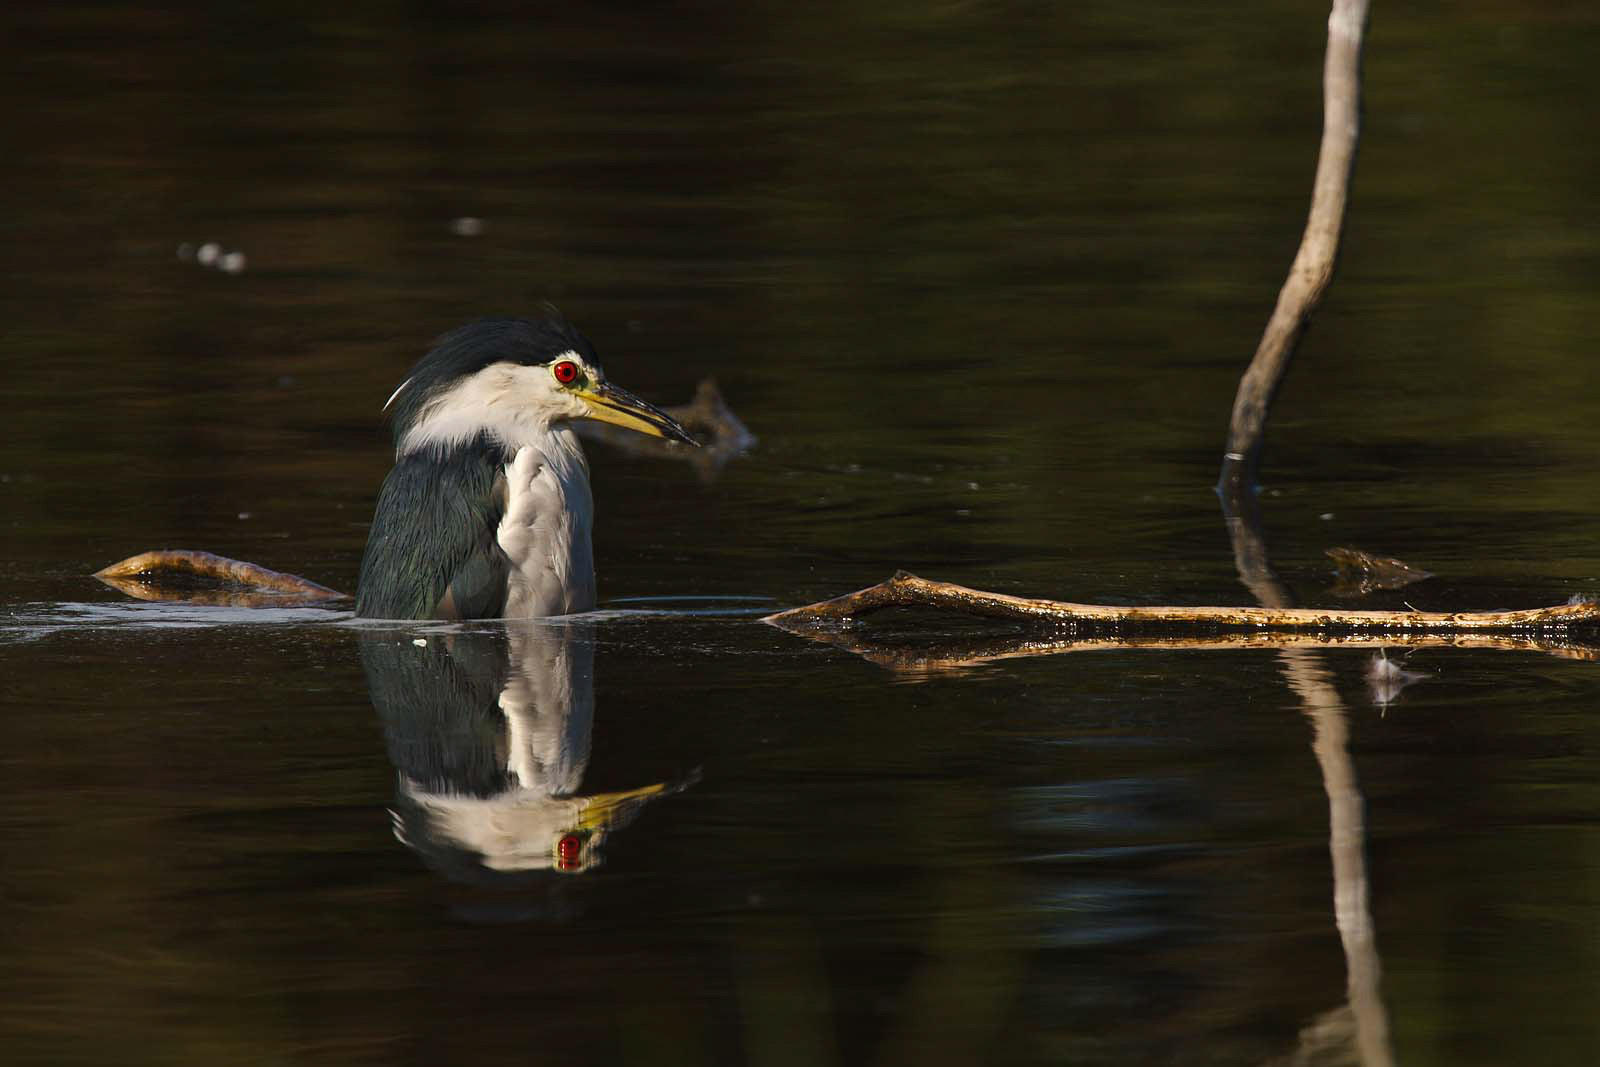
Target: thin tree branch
[(907, 590), (1319, 246)]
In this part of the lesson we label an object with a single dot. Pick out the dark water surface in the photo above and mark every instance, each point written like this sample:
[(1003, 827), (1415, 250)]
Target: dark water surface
[(981, 278)]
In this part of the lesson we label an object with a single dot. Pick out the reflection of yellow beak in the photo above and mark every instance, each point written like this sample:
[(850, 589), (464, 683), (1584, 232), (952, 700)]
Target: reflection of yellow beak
[(608, 403)]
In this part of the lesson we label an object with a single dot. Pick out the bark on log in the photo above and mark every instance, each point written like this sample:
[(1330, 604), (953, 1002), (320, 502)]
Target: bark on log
[(1319, 246), (907, 590)]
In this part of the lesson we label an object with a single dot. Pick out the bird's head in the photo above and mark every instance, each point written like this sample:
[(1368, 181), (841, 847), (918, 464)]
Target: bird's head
[(513, 379)]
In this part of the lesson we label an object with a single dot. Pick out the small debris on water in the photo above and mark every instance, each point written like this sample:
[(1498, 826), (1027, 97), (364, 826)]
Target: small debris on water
[(420, 642), (244, 515), (1326, 516), (1386, 678), (466, 226), (208, 253), (231, 263)]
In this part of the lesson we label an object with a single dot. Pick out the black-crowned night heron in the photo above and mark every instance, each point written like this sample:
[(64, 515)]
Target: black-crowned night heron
[(487, 512)]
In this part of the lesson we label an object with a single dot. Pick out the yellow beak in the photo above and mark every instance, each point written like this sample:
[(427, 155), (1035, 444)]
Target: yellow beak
[(608, 403)]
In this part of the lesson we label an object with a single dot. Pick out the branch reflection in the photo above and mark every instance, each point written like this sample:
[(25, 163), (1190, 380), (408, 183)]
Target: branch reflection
[(489, 733), (915, 658), (1361, 1024)]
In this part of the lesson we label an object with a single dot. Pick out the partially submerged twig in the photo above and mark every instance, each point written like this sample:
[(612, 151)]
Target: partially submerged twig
[(263, 586), (907, 590), (1319, 245)]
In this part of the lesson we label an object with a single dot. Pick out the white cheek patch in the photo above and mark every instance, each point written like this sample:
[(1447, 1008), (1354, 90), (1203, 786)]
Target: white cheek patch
[(515, 403)]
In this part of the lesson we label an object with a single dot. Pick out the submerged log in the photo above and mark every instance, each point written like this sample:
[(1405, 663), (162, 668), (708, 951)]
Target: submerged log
[(908, 590), (130, 575), (721, 433), (1361, 572)]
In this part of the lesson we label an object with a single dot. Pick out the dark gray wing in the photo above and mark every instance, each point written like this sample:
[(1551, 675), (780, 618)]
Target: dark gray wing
[(432, 552)]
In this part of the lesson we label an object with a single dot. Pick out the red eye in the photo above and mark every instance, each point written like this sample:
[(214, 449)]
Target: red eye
[(566, 372)]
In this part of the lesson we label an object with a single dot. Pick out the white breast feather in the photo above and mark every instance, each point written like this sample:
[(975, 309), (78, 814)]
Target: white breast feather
[(546, 528)]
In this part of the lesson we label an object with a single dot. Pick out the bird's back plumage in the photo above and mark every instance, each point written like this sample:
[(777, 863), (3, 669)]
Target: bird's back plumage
[(433, 551)]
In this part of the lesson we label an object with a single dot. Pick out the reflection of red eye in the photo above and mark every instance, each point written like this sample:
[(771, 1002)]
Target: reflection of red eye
[(566, 372), (570, 845)]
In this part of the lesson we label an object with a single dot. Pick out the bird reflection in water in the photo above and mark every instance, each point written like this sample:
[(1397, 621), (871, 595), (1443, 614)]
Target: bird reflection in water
[(489, 733)]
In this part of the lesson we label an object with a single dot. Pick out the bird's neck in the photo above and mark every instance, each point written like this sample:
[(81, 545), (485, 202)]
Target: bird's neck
[(501, 439), (559, 443)]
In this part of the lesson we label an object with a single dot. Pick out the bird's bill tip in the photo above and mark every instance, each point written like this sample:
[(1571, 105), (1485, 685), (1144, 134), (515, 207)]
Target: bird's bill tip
[(607, 403)]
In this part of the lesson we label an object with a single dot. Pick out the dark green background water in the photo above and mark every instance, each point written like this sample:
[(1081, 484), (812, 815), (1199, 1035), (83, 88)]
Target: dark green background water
[(981, 277)]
